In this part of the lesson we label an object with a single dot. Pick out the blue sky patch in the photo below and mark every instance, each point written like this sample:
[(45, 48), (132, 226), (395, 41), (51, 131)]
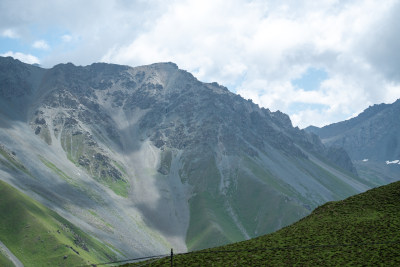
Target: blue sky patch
[(52, 36), (8, 44), (311, 79)]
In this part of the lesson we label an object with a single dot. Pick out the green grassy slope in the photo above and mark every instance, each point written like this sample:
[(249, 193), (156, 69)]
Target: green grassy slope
[(360, 230), (38, 236)]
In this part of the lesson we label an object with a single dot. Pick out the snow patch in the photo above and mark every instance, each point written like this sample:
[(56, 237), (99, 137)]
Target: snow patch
[(393, 162)]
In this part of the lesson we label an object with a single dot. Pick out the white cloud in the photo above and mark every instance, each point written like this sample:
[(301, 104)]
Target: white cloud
[(9, 33), (27, 58), (66, 38), (41, 44)]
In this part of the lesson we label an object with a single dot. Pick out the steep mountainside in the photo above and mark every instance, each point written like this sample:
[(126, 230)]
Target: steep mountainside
[(38, 236), (162, 159), (362, 230), (372, 140)]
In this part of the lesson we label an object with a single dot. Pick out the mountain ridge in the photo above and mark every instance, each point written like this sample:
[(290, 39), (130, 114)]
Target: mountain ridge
[(335, 128)]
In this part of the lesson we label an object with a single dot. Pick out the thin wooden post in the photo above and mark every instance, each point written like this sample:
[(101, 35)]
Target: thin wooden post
[(172, 257)]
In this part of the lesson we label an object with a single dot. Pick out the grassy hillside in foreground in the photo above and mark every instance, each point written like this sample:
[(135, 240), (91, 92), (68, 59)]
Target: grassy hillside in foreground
[(38, 236), (361, 230)]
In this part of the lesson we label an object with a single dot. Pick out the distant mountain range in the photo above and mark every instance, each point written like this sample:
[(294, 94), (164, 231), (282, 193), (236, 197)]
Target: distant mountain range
[(372, 140), (149, 158)]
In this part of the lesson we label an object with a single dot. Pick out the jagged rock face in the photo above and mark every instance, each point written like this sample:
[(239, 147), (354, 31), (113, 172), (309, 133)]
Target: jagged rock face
[(163, 159)]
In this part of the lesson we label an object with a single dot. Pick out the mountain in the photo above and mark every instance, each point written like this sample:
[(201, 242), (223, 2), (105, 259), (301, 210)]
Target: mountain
[(150, 158), (362, 230), (372, 140)]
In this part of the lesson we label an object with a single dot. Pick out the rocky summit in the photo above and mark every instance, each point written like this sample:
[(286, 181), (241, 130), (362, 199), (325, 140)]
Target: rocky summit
[(149, 158)]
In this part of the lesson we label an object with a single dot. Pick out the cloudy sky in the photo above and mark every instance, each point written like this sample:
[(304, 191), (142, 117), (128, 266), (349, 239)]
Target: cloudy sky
[(318, 61)]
